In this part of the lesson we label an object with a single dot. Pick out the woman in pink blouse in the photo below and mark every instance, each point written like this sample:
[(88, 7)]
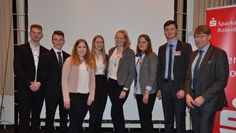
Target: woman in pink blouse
[(78, 84)]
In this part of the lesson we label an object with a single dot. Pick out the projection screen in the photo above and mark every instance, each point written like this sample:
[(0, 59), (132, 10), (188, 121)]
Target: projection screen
[(87, 18)]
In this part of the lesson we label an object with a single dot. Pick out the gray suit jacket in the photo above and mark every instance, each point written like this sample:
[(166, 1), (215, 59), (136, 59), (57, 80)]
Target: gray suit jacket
[(212, 79), (148, 74), (126, 68)]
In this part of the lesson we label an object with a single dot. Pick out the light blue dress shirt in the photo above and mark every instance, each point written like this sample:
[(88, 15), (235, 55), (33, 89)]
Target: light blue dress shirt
[(174, 43), (204, 50)]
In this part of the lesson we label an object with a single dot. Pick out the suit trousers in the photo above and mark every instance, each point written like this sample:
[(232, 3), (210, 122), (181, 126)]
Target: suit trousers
[(51, 106), (117, 113), (77, 112), (99, 104), (202, 121), (145, 112), (173, 108), (30, 106)]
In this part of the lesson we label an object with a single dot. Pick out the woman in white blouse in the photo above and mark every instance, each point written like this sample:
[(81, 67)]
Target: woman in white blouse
[(101, 92), (121, 72), (78, 84)]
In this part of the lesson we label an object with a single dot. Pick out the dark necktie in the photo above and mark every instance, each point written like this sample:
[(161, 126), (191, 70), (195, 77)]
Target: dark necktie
[(196, 67), (59, 59), (170, 62)]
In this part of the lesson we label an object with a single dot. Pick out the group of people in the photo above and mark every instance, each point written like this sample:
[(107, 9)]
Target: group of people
[(81, 82)]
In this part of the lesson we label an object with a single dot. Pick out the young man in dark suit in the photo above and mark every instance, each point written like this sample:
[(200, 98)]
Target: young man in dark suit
[(207, 76), (173, 59), (56, 57), (30, 67)]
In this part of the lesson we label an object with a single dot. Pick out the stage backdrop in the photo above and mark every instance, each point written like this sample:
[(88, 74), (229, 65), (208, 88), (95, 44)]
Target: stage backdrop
[(222, 22), (86, 18)]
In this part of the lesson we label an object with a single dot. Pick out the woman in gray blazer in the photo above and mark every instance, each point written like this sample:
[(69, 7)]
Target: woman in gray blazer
[(145, 81), (121, 71)]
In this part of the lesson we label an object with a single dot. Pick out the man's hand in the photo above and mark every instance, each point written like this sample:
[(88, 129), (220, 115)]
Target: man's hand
[(159, 94), (35, 86), (180, 94), (189, 101), (198, 101)]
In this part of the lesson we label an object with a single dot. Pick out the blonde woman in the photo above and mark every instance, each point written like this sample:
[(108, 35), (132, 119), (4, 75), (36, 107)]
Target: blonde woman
[(78, 84), (101, 60), (121, 72)]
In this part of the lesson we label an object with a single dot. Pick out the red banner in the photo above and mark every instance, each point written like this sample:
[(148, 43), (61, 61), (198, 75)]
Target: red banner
[(222, 22)]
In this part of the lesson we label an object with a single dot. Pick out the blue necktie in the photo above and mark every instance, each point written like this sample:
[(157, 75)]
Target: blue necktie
[(196, 68), (170, 62)]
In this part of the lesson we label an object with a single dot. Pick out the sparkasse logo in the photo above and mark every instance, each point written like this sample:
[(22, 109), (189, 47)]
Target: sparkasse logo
[(213, 22)]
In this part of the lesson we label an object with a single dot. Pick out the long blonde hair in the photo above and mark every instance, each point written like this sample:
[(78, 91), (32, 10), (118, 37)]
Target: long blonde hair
[(93, 52), (75, 60)]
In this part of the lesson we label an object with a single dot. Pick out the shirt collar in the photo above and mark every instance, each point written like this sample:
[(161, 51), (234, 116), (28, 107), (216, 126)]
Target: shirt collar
[(205, 48), (173, 42), (56, 50), (33, 46)]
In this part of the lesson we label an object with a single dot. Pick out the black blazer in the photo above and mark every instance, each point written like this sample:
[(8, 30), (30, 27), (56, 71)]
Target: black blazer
[(180, 65), (24, 69), (212, 78), (53, 89)]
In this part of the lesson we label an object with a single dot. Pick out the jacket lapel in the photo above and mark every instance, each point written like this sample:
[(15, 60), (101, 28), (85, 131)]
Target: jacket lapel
[(31, 58), (206, 58)]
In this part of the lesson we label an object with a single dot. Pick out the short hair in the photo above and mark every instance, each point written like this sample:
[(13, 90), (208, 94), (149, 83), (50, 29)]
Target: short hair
[(58, 32), (36, 26), (202, 29), (169, 22)]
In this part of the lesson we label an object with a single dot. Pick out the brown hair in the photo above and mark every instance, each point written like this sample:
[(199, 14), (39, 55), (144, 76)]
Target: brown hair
[(202, 29), (128, 42), (169, 22), (75, 57), (36, 26), (149, 47), (103, 50), (58, 32)]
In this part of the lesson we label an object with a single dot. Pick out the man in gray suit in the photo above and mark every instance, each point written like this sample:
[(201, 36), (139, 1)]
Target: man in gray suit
[(207, 76)]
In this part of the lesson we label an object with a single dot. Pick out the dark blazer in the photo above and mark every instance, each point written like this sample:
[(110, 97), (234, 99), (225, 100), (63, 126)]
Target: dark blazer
[(54, 89), (148, 72), (212, 78), (24, 69), (180, 64), (126, 68)]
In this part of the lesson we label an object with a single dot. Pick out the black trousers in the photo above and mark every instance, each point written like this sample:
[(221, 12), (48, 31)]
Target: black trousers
[(145, 112), (117, 113), (30, 106), (77, 112), (173, 108), (51, 106), (99, 104)]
